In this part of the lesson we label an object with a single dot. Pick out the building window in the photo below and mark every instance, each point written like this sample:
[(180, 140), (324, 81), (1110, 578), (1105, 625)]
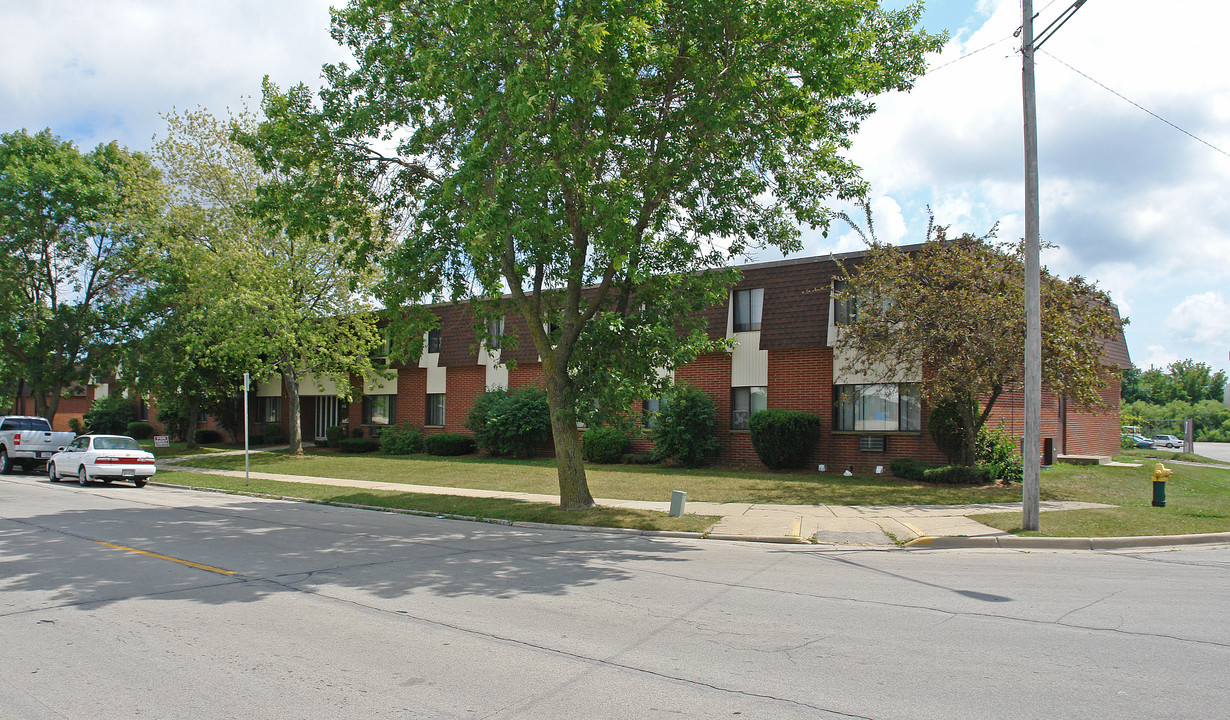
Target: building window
[(880, 408), (435, 410), (743, 402), (749, 304), (378, 409), (433, 341), (844, 311), (143, 410), (495, 328), (268, 409), (386, 343), (650, 408)]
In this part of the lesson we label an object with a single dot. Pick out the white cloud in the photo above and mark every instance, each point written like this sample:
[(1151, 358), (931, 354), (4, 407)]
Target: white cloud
[(1131, 202), (1203, 318)]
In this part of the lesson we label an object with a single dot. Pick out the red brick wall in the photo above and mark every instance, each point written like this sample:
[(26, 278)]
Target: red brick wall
[(412, 396), (465, 382), (526, 374), (1095, 433)]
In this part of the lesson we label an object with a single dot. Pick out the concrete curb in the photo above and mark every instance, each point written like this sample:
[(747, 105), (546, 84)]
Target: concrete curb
[(1014, 542)]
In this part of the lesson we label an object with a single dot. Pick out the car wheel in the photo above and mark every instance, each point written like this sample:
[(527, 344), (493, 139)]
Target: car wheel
[(139, 482), (6, 465), (51, 472), (82, 477)]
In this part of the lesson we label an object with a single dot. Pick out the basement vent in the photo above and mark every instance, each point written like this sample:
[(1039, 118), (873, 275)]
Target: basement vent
[(871, 443)]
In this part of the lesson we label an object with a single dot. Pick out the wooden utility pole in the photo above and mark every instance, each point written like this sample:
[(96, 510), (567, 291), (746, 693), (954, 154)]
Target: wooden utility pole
[(1032, 442)]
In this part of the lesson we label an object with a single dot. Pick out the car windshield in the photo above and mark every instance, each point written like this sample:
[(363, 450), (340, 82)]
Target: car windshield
[(115, 443)]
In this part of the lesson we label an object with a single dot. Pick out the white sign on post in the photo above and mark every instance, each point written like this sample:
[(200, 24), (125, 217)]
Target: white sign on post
[(162, 441)]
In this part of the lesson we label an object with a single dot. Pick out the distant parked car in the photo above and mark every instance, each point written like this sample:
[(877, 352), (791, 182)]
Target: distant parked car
[(1169, 441), (1140, 441), (102, 457)]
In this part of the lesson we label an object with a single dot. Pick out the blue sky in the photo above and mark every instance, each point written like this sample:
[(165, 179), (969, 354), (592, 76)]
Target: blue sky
[(1131, 202)]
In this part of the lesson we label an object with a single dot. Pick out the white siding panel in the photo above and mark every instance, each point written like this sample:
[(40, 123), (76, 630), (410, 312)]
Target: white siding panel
[(844, 372), (270, 386), (380, 382), (311, 385), (749, 365), (437, 380)]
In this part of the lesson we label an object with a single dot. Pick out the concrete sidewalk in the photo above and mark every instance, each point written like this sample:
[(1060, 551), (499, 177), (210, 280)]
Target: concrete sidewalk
[(879, 525)]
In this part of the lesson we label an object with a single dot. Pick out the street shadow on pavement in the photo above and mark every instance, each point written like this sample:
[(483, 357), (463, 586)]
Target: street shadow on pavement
[(57, 558)]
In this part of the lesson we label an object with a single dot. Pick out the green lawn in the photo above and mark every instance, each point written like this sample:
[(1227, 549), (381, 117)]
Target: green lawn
[(622, 482), (179, 449), (1198, 497), (1197, 501), (450, 504)]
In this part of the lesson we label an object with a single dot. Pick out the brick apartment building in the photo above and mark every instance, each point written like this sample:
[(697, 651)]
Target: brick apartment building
[(782, 319)]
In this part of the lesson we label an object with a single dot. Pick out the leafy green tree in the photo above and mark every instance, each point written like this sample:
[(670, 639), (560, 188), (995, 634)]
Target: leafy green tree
[(246, 286), (75, 229), (954, 309), (1185, 380), (588, 160)]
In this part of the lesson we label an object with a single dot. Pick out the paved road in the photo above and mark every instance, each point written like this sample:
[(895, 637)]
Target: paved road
[(333, 612), (1217, 451)]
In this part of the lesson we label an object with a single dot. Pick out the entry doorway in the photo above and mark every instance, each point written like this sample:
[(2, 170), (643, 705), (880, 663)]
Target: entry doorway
[(326, 414)]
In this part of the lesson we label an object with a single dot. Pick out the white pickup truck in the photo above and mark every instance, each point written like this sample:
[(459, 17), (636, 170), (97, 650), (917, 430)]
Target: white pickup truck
[(28, 442)]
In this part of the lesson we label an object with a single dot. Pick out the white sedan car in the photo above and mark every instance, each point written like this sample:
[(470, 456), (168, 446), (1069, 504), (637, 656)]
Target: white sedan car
[(102, 457)]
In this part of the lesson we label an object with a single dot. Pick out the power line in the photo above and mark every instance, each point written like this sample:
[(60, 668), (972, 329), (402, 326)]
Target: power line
[(968, 54), (1135, 104)]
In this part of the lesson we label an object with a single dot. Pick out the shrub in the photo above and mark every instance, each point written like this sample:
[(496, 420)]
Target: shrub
[(75, 425), (517, 423), (605, 445), (784, 438), (684, 427), (140, 430), (997, 451), (109, 415), (448, 444), (959, 475), (334, 434), (175, 421), (205, 436), (480, 411), (273, 434), (401, 439), (358, 445), (945, 427), (907, 469)]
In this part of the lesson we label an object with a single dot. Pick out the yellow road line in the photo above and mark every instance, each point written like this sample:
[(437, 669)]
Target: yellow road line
[(168, 557)]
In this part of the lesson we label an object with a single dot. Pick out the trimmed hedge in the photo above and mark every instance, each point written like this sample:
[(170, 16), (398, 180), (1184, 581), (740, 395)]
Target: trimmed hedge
[(959, 475), (273, 434), (205, 436), (784, 438), (605, 445), (334, 434), (907, 469), (140, 430), (358, 445), (401, 439), (449, 444)]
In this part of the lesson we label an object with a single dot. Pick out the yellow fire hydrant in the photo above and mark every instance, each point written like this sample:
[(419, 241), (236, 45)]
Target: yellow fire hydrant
[(1160, 473)]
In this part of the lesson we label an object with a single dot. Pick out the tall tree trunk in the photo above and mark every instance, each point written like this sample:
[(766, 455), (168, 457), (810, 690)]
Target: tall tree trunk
[(969, 425), (573, 486), (194, 413), (291, 382), (45, 402)]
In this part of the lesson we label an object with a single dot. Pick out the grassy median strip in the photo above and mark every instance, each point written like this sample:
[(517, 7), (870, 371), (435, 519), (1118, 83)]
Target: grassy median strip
[(621, 482), (481, 508), (1197, 501)]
